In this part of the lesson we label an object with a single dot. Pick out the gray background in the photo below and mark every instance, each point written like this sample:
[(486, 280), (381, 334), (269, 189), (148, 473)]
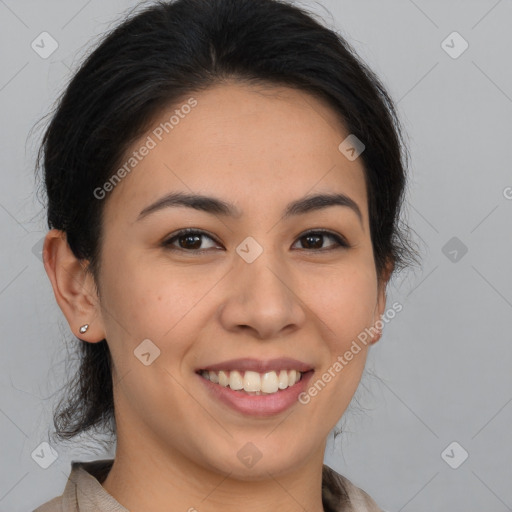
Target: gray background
[(441, 373)]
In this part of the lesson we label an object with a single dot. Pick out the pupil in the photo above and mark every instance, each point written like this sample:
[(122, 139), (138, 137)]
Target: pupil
[(188, 238), (313, 237)]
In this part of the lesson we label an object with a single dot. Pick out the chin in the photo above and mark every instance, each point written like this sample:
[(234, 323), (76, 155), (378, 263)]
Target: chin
[(254, 461)]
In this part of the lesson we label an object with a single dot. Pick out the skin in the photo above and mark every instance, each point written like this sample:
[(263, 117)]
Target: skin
[(259, 148)]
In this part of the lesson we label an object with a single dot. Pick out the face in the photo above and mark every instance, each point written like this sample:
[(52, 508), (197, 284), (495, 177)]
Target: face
[(256, 289)]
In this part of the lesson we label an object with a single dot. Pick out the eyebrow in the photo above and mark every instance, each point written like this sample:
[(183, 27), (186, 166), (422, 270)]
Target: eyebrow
[(217, 206)]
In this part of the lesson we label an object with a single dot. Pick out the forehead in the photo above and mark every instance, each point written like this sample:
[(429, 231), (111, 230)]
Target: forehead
[(255, 145)]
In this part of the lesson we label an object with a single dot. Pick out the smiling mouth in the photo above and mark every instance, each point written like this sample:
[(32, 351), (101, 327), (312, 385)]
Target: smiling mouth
[(254, 383)]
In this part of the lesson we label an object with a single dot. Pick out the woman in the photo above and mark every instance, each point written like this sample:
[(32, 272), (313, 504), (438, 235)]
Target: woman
[(224, 183)]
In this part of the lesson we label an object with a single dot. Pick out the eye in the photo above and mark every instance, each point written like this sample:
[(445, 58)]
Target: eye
[(189, 240), (314, 239)]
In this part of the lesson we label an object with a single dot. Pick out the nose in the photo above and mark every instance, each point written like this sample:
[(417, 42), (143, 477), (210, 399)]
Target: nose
[(262, 297)]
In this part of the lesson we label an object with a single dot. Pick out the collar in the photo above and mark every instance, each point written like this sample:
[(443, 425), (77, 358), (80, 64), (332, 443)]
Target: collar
[(84, 492)]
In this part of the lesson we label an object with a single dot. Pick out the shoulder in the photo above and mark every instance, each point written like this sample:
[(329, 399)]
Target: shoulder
[(54, 505), (83, 491), (341, 495)]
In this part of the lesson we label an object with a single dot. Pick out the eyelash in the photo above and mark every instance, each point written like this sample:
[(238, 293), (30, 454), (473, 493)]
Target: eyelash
[(167, 244)]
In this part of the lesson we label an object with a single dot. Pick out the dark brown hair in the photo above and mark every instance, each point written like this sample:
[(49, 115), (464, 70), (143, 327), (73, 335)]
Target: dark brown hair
[(155, 58)]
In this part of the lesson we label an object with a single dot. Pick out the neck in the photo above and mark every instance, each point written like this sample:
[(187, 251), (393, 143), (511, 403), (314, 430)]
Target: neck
[(147, 477)]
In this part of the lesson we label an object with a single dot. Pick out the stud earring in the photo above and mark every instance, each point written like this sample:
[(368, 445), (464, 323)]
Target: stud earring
[(84, 328), (378, 336)]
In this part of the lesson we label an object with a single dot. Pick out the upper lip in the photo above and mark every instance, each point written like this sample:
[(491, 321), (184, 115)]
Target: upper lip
[(259, 365)]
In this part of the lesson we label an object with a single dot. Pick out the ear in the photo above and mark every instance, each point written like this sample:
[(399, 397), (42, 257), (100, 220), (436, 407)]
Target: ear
[(380, 307), (73, 287)]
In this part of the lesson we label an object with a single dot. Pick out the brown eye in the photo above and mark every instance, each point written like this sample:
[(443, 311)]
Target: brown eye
[(315, 239), (188, 240), (191, 240)]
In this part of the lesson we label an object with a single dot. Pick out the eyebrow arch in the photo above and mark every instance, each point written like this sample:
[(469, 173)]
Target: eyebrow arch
[(216, 206)]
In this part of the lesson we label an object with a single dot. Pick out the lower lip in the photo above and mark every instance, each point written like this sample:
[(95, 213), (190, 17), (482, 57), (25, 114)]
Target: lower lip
[(258, 405)]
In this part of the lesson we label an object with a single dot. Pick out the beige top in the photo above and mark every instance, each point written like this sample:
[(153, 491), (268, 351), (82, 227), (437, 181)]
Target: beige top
[(84, 492)]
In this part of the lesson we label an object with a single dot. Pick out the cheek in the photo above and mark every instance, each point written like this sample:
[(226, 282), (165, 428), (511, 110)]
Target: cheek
[(144, 301), (345, 305), (344, 300)]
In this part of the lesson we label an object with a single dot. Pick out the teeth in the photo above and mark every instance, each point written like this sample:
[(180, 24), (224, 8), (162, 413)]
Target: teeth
[(283, 379), (235, 380), (223, 378), (270, 382), (254, 382)]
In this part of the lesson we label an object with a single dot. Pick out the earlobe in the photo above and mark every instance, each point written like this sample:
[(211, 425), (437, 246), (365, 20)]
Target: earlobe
[(377, 320), (73, 287), (381, 302)]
